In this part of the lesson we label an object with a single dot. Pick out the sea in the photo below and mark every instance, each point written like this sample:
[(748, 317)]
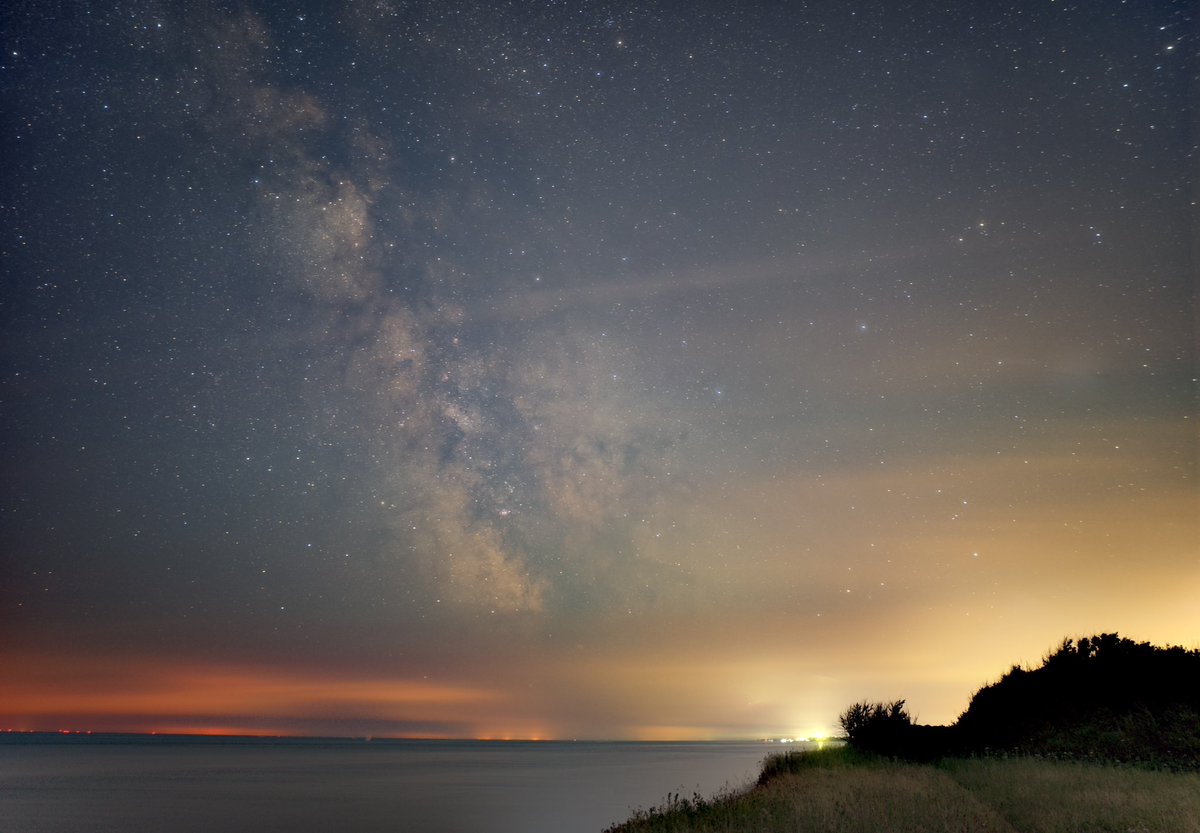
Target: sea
[(161, 784)]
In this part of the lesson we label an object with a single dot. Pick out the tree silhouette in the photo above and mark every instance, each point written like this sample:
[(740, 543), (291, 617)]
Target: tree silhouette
[(1099, 697)]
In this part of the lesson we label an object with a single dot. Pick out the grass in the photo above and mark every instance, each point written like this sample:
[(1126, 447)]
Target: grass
[(1061, 796), (844, 791)]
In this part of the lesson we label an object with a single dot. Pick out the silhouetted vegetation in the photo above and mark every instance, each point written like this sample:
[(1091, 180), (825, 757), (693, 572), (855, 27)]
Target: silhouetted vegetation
[(888, 729), (878, 727), (1101, 697)]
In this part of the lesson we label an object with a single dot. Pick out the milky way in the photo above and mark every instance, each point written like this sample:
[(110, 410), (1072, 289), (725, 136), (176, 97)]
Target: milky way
[(610, 370)]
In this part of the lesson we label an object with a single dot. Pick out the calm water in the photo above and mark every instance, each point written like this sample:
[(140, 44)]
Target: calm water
[(181, 785)]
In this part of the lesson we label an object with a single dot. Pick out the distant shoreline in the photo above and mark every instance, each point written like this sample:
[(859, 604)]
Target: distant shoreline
[(83, 736)]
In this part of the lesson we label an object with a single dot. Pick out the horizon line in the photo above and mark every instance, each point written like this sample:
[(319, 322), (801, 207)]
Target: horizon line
[(372, 738)]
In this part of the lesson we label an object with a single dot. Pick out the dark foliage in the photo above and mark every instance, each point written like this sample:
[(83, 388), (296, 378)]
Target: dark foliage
[(1102, 696), (877, 727), (1099, 697), (887, 729)]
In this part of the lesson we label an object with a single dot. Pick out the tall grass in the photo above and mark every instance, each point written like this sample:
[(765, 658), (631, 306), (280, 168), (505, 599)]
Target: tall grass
[(1064, 797), (844, 791)]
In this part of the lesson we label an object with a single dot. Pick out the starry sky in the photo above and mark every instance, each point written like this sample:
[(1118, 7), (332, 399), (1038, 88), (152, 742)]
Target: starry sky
[(587, 369)]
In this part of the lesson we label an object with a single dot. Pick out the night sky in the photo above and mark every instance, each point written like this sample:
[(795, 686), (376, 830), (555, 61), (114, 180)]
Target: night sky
[(573, 369)]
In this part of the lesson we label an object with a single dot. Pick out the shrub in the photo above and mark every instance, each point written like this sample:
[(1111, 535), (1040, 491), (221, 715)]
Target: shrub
[(877, 727)]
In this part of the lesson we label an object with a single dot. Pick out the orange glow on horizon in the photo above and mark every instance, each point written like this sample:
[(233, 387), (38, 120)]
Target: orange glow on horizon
[(132, 695)]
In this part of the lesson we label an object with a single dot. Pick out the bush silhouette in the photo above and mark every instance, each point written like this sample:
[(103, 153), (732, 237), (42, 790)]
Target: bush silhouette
[(1099, 697), (877, 727)]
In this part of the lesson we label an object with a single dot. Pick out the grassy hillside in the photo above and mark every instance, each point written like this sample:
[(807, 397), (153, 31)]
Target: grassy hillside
[(1041, 750), (846, 791)]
